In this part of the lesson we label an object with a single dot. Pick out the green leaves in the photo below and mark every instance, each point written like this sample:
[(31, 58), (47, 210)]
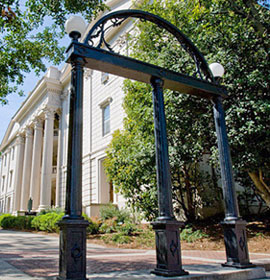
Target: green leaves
[(233, 33), (27, 40)]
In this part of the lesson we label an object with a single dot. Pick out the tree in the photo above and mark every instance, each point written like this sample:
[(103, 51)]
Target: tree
[(234, 33), (130, 161), (26, 41)]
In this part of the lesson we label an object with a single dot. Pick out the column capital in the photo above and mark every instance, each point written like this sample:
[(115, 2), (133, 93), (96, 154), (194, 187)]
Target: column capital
[(19, 139), (37, 123), (28, 132), (59, 112), (65, 94), (49, 113)]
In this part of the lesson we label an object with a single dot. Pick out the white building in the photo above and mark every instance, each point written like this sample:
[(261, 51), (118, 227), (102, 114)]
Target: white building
[(34, 148)]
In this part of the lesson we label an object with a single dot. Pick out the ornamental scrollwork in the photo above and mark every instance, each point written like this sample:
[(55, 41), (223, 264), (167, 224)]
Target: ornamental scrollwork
[(97, 37)]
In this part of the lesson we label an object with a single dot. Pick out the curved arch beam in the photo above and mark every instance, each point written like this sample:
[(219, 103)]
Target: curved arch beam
[(119, 17)]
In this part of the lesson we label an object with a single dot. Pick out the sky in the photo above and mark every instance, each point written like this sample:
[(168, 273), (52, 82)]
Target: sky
[(265, 3)]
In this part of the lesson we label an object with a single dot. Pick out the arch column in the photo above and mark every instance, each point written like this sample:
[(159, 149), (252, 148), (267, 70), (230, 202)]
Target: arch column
[(59, 154), (26, 168), (47, 158), (18, 173), (36, 164)]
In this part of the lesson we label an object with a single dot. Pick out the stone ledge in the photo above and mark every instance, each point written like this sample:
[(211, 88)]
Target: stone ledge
[(197, 272)]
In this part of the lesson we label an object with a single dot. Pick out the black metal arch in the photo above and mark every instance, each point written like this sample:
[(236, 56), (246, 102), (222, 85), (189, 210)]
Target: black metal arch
[(118, 17), (73, 226)]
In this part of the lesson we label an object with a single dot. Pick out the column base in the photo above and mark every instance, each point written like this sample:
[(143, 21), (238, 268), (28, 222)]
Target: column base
[(72, 263), (169, 273), (237, 265), (169, 263), (61, 278), (19, 213), (43, 207), (236, 244)]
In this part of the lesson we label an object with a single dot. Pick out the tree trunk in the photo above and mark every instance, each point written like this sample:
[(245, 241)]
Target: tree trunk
[(262, 188), (190, 203)]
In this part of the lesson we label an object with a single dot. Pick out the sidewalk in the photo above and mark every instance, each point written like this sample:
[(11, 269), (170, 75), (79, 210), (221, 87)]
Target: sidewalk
[(28, 256)]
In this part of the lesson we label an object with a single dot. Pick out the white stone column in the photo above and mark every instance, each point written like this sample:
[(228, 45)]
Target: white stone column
[(27, 163), (1, 174), (18, 173), (59, 154), (46, 169), (36, 165)]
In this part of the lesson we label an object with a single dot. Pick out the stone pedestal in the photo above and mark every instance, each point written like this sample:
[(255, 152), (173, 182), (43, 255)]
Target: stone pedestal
[(72, 264), (168, 249), (236, 244)]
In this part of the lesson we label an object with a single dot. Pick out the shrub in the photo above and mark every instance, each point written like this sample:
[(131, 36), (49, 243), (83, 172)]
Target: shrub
[(111, 211), (189, 235), (50, 210), (3, 216), (127, 228), (118, 238), (47, 222), (93, 227), (108, 226), (146, 238), (20, 222)]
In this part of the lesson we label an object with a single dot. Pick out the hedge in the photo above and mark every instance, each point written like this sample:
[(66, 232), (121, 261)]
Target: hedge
[(47, 222), (20, 222)]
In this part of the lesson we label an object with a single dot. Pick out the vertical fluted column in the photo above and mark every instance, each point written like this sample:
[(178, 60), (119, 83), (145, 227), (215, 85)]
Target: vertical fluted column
[(46, 169), (18, 173), (73, 226), (58, 172), (168, 250), (36, 164), (235, 237), (164, 184), (26, 168)]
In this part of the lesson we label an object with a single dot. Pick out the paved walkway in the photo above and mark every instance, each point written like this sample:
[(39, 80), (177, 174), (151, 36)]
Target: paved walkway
[(26, 256)]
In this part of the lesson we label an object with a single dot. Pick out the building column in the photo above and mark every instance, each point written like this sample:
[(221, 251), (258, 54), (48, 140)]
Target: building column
[(47, 158), (58, 172), (26, 169), (18, 173), (36, 165), (7, 180)]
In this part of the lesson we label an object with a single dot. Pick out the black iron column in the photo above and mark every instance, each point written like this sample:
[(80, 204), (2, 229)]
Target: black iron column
[(72, 264), (234, 227), (166, 227)]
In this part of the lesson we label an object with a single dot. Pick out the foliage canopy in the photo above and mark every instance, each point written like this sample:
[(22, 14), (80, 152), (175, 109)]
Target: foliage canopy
[(26, 41), (234, 33)]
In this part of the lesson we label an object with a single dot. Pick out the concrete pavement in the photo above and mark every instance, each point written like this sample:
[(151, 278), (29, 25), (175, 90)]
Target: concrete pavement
[(28, 256)]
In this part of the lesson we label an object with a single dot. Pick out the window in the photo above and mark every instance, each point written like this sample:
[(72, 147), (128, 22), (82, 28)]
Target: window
[(10, 178), (106, 119), (13, 152), (3, 182), (104, 78), (5, 159)]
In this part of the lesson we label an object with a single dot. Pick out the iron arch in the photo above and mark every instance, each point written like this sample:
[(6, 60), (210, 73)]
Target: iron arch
[(117, 18)]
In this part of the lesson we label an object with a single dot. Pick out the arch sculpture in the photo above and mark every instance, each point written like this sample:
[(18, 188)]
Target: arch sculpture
[(96, 53)]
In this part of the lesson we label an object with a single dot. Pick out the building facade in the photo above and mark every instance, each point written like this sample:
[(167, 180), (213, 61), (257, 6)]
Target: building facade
[(34, 148)]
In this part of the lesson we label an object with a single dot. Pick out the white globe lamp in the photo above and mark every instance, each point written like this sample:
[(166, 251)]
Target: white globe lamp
[(217, 70), (75, 27)]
